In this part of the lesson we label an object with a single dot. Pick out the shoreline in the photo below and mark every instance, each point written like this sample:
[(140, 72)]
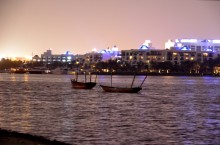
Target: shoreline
[(9, 137), (157, 74), (143, 74)]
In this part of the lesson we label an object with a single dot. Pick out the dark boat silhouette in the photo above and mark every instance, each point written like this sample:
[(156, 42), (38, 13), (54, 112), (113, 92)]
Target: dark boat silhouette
[(121, 89), (19, 70), (39, 70), (83, 85)]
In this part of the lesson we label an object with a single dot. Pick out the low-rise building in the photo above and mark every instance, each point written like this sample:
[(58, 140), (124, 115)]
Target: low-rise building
[(175, 52), (48, 58), (112, 53), (191, 49), (146, 53)]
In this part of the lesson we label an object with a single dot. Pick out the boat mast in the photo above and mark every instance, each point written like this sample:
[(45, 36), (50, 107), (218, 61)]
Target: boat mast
[(77, 69), (77, 76), (95, 77), (143, 81), (90, 77), (85, 76), (133, 80), (111, 79)]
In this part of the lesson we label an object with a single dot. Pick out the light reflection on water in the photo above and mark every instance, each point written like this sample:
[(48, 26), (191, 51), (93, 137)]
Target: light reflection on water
[(168, 110)]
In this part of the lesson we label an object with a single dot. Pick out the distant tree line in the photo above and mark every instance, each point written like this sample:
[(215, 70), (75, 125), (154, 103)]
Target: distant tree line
[(186, 67), (8, 63)]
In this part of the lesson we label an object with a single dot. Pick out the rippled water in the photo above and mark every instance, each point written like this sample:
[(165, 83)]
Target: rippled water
[(169, 110)]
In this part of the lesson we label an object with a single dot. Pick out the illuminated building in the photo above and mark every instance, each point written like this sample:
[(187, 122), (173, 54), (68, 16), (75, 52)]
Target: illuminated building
[(112, 53), (85, 62), (92, 57), (146, 53), (36, 58), (79, 59), (89, 58), (136, 55), (191, 49), (175, 52), (48, 58), (197, 45), (216, 70)]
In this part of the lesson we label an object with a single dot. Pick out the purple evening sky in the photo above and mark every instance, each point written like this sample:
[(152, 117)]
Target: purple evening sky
[(33, 26)]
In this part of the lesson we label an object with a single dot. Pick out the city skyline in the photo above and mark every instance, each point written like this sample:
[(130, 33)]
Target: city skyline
[(31, 27)]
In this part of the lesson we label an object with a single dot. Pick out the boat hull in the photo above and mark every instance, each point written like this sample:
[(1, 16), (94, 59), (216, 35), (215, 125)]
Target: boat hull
[(20, 72), (120, 90), (82, 85), (36, 72)]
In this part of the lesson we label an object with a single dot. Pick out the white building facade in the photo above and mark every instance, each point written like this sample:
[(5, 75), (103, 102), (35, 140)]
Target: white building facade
[(146, 53), (175, 51), (199, 50), (48, 58)]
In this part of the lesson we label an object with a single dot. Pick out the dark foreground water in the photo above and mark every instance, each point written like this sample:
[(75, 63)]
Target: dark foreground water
[(169, 110)]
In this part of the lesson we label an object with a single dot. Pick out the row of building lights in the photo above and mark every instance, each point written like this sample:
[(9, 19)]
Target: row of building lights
[(179, 43)]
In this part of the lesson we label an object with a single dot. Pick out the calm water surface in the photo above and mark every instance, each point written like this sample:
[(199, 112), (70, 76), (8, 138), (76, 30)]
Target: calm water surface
[(169, 110)]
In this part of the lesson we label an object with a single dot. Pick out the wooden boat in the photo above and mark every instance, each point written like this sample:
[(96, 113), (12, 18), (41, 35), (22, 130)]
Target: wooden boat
[(121, 89), (19, 70), (39, 70), (83, 85)]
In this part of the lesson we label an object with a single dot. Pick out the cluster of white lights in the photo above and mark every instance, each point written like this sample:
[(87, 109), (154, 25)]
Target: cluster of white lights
[(215, 41), (195, 41), (179, 45), (169, 44), (94, 50), (188, 40), (147, 42), (67, 53), (112, 50), (115, 48)]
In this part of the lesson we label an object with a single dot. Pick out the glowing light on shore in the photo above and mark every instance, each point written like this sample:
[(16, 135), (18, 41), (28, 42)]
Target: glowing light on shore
[(94, 50), (169, 44), (2, 56), (177, 41), (179, 45), (188, 40), (146, 43), (115, 48), (15, 57), (28, 57), (216, 41)]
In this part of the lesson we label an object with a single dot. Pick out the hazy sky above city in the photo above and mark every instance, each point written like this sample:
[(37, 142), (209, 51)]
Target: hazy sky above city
[(32, 26)]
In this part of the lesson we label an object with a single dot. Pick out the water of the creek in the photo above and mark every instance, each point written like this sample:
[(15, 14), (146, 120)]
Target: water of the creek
[(168, 110)]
